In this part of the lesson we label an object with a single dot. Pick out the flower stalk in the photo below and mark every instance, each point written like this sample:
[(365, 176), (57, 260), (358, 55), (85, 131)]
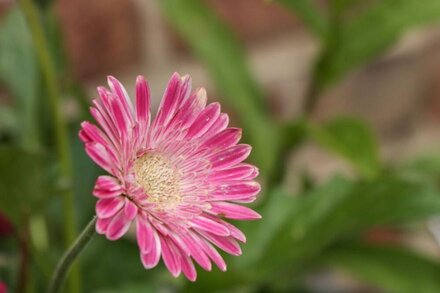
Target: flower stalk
[(69, 257), (47, 66)]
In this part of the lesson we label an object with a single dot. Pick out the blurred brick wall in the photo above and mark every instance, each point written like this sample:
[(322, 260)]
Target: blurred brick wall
[(255, 20), (101, 36)]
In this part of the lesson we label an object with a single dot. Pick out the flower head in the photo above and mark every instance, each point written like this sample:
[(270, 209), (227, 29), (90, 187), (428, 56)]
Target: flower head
[(176, 177)]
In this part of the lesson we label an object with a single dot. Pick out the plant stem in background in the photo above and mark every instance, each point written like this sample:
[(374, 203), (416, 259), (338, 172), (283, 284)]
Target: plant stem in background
[(70, 255), (31, 14), (23, 239), (320, 75)]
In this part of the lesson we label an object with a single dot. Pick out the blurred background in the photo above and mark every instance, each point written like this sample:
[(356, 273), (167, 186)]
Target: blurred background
[(339, 98)]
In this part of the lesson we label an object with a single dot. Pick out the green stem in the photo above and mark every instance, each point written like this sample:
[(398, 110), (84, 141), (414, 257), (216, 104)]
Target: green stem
[(320, 75), (31, 14), (70, 256)]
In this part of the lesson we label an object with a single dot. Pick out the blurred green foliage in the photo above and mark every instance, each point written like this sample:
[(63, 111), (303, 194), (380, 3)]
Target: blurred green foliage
[(351, 139), (322, 225)]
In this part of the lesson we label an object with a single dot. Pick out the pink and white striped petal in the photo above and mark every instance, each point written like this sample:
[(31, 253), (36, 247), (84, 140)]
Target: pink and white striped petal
[(171, 256), (230, 156), (205, 224), (107, 187), (108, 207), (233, 211), (151, 259), (118, 226)]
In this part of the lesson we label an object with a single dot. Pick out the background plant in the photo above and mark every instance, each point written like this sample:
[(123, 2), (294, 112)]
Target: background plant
[(43, 166)]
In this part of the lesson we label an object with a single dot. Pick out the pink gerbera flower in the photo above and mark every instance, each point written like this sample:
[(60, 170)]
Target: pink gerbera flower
[(176, 178)]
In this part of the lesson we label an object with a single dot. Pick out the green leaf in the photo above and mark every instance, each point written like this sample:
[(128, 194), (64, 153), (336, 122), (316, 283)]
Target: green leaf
[(424, 166), (18, 71), (8, 121), (309, 13), (392, 269), (215, 45), (340, 209), (351, 139), (22, 182), (276, 212), (370, 33)]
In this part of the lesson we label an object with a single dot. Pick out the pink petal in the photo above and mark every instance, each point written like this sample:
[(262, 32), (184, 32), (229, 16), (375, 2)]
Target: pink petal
[(219, 125), (142, 102), (93, 133), (235, 232), (238, 172), (151, 259), (84, 137), (233, 211), (144, 235), (170, 100), (196, 252), (107, 187), (228, 244), (98, 153), (230, 156), (105, 122), (118, 226), (171, 256), (108, 207), (102, 224), (212, 253), (120, 92), (130, 210), (224, 139), (204, 120), (188, 268), (192, 107), (122, 120), (209, 225), (231, 191)]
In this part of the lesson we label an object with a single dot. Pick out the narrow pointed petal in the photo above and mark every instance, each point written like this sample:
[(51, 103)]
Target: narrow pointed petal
[(145, 235), (192, 107), (188, 268), (107, 187), (231, 191), (220, 124), (108, 207), (151, 259), (102, 224), (235, 232), (196, 252), (213, 254), (143, 101), (204, 121), (118, 226), (210, 226), (100, 156), (238, 172), (227, 244), (230, 156), (119, 91), (171, 257), (122, 120), (94, 133), (130, 210), (169, 101), (224, 139), (233, 211)]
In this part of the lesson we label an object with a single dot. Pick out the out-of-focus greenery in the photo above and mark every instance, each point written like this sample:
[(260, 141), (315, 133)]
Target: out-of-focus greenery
[(322, 226)]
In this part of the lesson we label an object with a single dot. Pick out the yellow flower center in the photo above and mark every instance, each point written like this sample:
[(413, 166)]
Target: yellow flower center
[(160, 181)]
